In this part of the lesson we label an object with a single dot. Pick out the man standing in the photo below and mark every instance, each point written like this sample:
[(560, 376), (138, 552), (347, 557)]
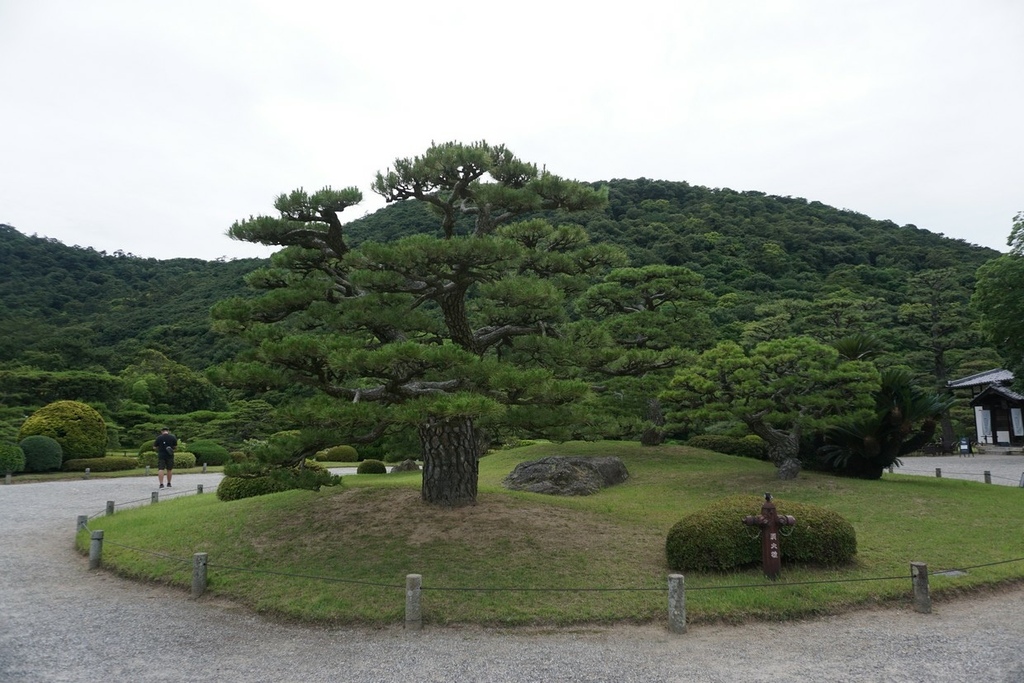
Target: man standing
[(165, 445)]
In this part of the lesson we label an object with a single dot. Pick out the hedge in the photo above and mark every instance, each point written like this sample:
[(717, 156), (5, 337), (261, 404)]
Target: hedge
[(109, 464)]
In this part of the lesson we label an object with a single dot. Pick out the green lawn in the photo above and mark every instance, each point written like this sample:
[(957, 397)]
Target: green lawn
[(341, 555)]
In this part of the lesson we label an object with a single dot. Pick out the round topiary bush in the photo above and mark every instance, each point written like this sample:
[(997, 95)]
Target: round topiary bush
[(42, 454), (371, 467), (339, 454), (715, 538), (236, 488), (77, 427), (209, 452), (12, 458)]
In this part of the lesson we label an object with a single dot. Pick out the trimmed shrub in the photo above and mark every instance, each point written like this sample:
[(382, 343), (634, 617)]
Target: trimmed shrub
[(109, 464), (236, 488), (182, 460), (12, 458), (339, 454), (715, 538), (750, 446), (210, 452), (372, 467), (77, 427), (42, 454)]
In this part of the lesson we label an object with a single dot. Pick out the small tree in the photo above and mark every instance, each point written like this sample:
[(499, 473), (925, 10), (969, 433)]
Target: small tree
[(12, 458), (779, 389), (904, 419)]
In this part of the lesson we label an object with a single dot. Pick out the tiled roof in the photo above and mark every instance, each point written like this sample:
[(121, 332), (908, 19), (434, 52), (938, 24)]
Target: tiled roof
[(997, 376), (1002, 391)]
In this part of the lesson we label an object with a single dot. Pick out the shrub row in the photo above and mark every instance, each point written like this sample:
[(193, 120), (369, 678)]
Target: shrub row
[(182, 460), (236, 488), (715, 538), (108, 464), (749, 446)]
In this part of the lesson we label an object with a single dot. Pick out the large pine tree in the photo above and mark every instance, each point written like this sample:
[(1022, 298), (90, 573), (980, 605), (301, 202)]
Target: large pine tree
[(439, 332)]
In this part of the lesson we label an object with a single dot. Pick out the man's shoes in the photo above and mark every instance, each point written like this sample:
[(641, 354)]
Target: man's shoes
[(168, 484), (161, 485)]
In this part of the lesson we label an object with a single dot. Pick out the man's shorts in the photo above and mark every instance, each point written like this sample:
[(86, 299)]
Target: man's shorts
[(165, 461)]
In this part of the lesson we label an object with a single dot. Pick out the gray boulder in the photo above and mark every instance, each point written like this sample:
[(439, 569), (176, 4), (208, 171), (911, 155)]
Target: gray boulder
[(408, 465), (567, 475)]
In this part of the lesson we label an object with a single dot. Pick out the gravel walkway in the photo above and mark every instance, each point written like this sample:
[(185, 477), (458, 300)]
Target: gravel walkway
[(61, 622)]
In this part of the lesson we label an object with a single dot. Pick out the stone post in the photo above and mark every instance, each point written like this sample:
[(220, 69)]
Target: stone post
[(922, 599), (676, 603), (413, 611), (154, 497), (96, 550), (199, 488), (988, 477), (82, 524), (110, 507), (938, 473), (198, 574)]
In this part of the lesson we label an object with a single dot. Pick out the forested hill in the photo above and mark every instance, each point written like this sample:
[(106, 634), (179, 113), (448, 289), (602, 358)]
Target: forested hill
[(737, 240), (67, 307), (71, 308)]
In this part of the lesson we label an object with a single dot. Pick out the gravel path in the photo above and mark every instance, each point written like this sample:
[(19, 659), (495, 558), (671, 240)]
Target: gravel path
[(61, 622)]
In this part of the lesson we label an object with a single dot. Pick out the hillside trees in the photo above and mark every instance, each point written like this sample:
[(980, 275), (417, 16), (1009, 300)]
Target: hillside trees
[(443, 332), (779, 390), (996, 300)]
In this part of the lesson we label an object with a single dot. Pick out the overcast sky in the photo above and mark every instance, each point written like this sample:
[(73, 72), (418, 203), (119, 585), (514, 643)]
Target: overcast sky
[(150, 127)]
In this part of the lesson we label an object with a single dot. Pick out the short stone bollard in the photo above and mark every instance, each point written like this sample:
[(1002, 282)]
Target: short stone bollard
[(7, 478), (96, 549), (988, 477), (199, 488), (147, 470), (676, 603), (154, 497), (413, 610), (110, 507), (922, 598), (938, 473), (88, 470), (204, 468), (198, 574), (83, 523)]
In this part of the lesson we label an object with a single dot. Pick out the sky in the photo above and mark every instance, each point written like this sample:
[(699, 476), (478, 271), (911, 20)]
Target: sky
[(150, 127)]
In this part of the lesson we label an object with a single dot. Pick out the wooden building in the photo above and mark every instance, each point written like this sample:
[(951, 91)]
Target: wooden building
[(997, 408)]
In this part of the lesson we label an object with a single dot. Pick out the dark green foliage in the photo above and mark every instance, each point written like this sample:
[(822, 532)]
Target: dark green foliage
[(372, 467), (904, 419), (77, 427), (715, 538), (339, 454), (274, 481), (750, 446), (12, 458), (108, 464), (42, 454), (236, 488), (209, 452)]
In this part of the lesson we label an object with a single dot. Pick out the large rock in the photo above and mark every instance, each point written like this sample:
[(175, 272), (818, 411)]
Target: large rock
[(567, 475)]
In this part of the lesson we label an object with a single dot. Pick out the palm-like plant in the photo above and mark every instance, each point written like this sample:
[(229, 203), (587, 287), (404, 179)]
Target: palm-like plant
[(904, 420)]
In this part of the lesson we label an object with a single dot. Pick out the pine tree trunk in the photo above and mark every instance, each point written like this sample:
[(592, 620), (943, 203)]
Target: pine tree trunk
[(783, 447), (450, 461), (654, 434)]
